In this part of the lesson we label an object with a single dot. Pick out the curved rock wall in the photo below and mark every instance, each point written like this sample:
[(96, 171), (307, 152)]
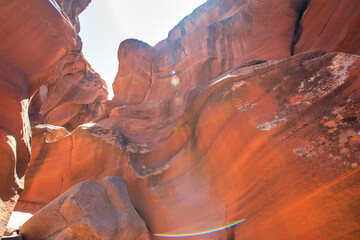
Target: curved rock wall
[(210, 127), (331, 26), (73, 96), (35, 36), (216, 37), (37, 39), (73, 93), (276, 143)]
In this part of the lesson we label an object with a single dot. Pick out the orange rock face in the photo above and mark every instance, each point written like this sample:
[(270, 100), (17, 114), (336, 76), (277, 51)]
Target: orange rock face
[(209, 126), (74, 95), (330, 25), (34, 37), (216, 37), (134, 76), (39, 45), (276, 143), (219, 35)]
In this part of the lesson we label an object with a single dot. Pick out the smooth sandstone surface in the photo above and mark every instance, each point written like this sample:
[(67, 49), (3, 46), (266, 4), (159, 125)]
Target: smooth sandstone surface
[(34, 37), (240, 136), (40, 53), (89, 210), (275, 142), (331, 26), (222, 34), (73, 93)]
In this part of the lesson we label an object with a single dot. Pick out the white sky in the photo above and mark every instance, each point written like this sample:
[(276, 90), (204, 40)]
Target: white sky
[(106, 23)]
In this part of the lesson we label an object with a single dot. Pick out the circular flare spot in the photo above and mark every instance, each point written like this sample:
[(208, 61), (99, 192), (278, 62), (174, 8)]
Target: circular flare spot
[(175, 81)]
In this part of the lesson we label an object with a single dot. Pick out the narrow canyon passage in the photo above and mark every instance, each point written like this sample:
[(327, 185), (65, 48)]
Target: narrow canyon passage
[(242, 124)]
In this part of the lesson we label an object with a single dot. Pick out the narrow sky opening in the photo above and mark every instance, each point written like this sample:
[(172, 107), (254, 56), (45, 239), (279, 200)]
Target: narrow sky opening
[(106, 23)]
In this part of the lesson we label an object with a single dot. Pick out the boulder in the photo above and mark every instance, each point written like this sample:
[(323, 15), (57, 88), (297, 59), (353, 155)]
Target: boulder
[(89, 210)]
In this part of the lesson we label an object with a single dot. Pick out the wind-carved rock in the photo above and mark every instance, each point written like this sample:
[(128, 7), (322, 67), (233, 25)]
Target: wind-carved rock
[(210, 126), (134, 75), (89, 210), (72, 9), (37, 38), (330, 26), (73, 95), (248, 139)]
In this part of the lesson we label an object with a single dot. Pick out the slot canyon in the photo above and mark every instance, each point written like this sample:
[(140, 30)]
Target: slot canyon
[(244, 123)]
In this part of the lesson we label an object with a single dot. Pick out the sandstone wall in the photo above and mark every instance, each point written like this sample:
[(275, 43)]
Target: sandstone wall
[(275, 142), (257, 128), (38, 38)]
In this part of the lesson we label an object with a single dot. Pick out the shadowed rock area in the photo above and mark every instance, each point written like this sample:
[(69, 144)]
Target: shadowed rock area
[(236, 115)]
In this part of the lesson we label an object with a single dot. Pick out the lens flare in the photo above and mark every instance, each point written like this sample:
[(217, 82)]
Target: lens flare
[(175, 80), (199, 233)]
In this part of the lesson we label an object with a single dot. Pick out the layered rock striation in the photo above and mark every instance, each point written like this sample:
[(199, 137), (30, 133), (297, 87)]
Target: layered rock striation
[(30, 49), (38, 41), (73, 93), (231, 117), (222, 34), (275, 142)]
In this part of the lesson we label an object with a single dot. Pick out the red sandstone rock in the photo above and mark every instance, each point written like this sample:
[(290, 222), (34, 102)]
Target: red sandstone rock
[(134, 75), (72, 8), (276, 143), (218, 36), (89, 210), (34, 37), (331, 26), (74, 95), (222, 34), (39, 45)]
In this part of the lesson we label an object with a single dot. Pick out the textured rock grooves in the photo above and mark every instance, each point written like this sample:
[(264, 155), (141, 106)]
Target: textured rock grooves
[(264, 142), (250, 132), (330, 26), (38, 37), (298, 29)]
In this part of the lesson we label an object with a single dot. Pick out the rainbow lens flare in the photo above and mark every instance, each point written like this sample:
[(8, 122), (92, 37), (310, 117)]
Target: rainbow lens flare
[(175, 80), (199, 233)]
